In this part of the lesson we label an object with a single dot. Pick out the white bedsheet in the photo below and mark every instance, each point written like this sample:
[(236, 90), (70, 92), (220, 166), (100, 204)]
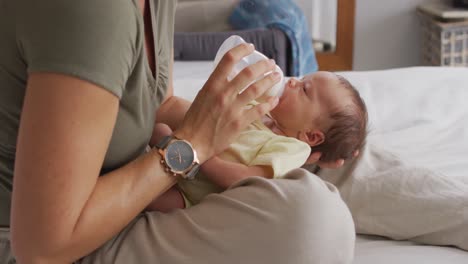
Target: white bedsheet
[(420, 114), (377, 250)]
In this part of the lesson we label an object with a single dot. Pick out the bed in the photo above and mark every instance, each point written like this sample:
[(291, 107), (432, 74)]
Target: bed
[(418, 115)]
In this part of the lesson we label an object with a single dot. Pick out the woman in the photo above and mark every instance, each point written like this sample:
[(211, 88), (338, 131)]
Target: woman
[(81, 83)]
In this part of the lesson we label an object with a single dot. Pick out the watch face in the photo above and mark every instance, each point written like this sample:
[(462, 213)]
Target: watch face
[(179, 156)]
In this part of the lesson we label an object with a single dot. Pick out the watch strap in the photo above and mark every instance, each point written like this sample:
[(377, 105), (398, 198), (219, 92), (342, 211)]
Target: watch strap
[(195, 167), (191, 174), (164, 141)]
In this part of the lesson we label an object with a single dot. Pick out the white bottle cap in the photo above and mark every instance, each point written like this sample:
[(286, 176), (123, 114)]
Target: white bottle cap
[(234, 41)]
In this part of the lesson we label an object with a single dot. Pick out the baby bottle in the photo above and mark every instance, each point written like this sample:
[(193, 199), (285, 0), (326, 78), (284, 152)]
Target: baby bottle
[(233, 41)]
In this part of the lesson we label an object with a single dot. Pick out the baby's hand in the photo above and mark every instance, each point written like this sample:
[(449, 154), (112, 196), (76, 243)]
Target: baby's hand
[(315, 157)]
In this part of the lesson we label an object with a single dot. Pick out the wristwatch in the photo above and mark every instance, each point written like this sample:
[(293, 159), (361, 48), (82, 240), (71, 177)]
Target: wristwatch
[(179, 157)]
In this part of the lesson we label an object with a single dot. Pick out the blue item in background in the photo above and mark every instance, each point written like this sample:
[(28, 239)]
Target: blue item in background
[(286, 16)]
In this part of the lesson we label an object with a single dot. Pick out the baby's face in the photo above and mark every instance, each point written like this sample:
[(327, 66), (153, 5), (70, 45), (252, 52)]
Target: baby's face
[(306, 102)]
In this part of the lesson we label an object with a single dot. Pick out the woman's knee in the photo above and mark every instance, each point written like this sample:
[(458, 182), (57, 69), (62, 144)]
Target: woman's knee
[(322, 218)]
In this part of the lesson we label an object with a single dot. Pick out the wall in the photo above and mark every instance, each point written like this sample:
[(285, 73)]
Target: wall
[(387, 34), (322, 18)]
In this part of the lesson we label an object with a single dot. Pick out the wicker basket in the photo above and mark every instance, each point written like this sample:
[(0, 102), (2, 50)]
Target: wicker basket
[(444, 43)]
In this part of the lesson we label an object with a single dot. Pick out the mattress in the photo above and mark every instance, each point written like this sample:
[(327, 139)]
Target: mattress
[(420, 113), (377, 250)]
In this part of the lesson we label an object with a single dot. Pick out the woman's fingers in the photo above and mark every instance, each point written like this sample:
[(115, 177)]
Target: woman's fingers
[(231, 58), (332, 164), (258, 88), (314, 158), (252, 73), (259, 110), (356, 153)]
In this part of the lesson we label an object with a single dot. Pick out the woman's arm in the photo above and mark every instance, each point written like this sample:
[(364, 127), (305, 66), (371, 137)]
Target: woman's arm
[(221, 172), (61, 209), (224, 173)]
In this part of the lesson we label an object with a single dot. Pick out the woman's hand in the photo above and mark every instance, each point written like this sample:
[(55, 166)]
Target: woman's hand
[(218, 113), (315, 157), (160, 130)]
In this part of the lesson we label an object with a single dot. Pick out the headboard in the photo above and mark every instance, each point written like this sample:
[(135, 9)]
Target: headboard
[(342, 58), (197, 38)]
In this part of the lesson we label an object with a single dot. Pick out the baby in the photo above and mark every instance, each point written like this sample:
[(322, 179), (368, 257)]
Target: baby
[(321, 112)]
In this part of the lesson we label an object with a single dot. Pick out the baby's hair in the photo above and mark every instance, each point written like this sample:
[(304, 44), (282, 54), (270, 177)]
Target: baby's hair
[(348, 130)]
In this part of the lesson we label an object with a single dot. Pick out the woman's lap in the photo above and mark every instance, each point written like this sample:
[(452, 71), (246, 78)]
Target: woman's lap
[(300, 219)]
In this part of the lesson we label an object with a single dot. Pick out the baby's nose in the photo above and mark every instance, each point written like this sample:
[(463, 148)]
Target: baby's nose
[(293, 82)]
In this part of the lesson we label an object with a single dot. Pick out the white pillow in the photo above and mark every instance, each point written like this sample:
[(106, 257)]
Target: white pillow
[(391, 198)]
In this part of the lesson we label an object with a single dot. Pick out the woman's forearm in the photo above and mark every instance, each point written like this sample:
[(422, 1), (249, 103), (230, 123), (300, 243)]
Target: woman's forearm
[(115, 200), (128, 191)]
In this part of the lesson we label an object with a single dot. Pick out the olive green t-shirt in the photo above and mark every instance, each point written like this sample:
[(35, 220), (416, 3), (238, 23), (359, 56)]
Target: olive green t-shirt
[(101, 41)]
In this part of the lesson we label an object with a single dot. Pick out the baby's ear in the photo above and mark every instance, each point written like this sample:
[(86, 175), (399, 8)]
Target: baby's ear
[(312, 137)]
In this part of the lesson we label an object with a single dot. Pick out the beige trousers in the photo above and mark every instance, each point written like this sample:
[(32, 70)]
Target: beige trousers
[(299, 219)]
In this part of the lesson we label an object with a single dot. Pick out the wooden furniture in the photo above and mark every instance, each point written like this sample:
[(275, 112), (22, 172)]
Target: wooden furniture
[(342, 58)]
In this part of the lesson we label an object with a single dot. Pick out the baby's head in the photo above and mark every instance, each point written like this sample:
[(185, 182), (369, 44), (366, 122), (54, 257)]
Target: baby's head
[(324, 110)]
